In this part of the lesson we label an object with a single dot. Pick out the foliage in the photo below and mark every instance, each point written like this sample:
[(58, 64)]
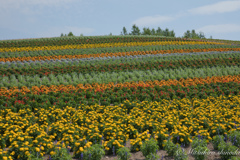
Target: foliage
[(217, 140), (60, 154), (95, 152), (124, 153), (227, 150), (180, 154), (149, 147), (152, 156), (170, 147)]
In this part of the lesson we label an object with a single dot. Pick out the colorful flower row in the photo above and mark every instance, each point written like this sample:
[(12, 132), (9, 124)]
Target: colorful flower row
[(84, 40), (120, 54), (123, 67), (116, 96), (103, 45), (110, 50), (111, 86)]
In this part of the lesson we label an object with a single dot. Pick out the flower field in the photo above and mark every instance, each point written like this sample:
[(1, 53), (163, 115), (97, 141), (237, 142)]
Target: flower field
[(76, 92)]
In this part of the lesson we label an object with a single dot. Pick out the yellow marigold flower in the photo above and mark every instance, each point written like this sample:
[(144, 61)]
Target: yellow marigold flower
[(181, 139), (137, 149), (52, 153), (21, 149), (189, 140), (37, 149), (27, 153), (81, 149), (5, 158)]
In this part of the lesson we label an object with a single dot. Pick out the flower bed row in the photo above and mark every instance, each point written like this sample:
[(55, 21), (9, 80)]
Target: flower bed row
[(84, 40), (120, 54), (115, 96), (111, 86), (123, 67), (40, 130), (111, 50), (75, 79), (103, 45)]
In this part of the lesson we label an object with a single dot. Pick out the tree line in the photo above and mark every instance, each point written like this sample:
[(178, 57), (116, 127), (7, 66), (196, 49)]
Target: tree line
[(147, 31), (158, 32)]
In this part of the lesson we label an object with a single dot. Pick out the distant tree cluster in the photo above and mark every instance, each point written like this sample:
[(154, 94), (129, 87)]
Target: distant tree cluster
[(70, 34), (159, 32), (193, 34), (147, 31)]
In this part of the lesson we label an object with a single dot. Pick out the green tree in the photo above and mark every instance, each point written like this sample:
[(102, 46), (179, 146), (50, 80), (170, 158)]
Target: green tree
[(135, 30), (70, 34), (159, 31), (61, 35), (187, 34), (172, 33), (146, 31), (166, 32), (194, 34), (153, 32), (201, 35), (124, 31)]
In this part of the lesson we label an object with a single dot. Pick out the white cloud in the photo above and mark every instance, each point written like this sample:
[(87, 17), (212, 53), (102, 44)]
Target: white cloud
[(220, 7), (29, 7), (20, 3), (152, 20), (56, 31), (221, 28)]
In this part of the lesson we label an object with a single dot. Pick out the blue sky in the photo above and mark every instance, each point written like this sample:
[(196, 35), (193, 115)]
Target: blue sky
[(49, 18)]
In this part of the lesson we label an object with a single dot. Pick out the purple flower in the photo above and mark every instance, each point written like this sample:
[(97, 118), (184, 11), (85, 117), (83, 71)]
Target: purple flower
[(81, 156), (225, 137), (113, 149)]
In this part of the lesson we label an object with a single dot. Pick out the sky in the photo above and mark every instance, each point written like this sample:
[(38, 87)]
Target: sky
[(20, 19)]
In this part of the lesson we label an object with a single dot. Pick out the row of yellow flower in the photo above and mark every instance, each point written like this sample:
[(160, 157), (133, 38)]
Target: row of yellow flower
[(103, 45), (101, 87), (72, 126), (118, 54)]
